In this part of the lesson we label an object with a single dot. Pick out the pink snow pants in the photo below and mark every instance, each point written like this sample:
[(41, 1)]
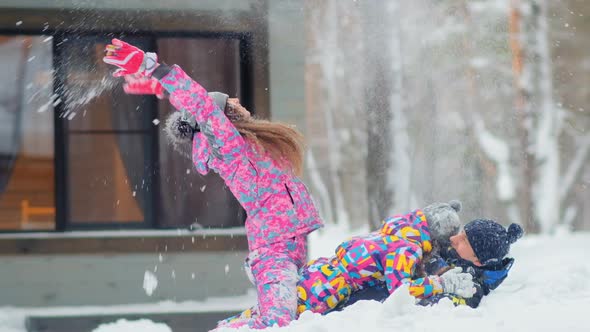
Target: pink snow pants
[(275, 270)]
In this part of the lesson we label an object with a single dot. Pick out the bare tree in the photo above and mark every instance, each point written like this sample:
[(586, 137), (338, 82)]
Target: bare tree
[(444, 99)]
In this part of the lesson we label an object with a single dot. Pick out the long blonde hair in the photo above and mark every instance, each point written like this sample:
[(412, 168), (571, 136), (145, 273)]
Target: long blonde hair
[(283, 142)]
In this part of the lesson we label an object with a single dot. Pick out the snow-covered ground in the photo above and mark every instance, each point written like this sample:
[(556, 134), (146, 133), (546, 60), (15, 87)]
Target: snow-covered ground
[(547, 290)]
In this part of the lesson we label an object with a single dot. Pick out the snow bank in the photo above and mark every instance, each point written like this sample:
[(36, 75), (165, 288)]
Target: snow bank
[(547, 290), (142, 325)]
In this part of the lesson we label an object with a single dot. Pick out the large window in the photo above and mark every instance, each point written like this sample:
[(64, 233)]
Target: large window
[(78, 153), (27, 191), (107, 138)]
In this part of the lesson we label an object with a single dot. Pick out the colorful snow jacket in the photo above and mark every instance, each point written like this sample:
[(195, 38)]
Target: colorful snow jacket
[(277, 203), (485, 279), (387, 257)]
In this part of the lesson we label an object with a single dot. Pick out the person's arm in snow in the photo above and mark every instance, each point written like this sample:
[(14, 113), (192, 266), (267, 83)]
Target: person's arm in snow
[(379, 293), (400, 265), (484, 281), (457, 300)]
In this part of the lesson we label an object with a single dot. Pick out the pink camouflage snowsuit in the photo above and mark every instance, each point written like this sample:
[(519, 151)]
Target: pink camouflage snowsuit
[(280, 211)]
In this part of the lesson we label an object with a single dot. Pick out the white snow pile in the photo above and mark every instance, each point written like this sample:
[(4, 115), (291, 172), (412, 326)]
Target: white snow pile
[(143, 325), (547, 290)]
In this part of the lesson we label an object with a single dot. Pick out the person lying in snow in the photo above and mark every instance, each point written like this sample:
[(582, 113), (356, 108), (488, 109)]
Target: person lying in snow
[(259, 162), (480, 250), (388, 257), (477, 254)]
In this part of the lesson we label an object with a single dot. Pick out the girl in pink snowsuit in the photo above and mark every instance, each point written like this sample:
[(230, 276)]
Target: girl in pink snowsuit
[(258, 161)]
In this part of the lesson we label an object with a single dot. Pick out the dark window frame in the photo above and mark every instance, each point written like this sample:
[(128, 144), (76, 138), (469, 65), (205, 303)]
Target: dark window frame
[(246, 27), (64, 222)]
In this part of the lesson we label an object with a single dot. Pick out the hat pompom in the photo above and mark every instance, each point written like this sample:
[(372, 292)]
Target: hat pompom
[(179, 134), (456, 205), (515, 232)]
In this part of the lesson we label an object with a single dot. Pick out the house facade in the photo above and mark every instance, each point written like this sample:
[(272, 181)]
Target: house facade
[(92, 196)]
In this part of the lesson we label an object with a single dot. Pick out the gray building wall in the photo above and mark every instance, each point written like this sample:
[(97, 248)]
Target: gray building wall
[(287, 61), (108, 268), (77, 280)]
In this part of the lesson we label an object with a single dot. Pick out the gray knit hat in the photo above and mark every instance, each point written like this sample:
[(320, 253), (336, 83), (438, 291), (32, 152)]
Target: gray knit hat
[(220, 99), (443, 220)]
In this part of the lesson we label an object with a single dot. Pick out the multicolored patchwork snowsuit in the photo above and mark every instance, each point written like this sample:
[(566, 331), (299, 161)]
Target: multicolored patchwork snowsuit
[(280, 211), (387, 257)]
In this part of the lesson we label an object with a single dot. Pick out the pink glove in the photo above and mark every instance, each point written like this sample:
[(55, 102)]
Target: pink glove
[(141, 85), (130, 59)]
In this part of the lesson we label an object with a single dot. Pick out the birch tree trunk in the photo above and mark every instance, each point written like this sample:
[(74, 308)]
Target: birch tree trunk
[(540, 117), (523, 110), (334, 98), (389, 163), (378, 114), (547, 152), (495, 152), (399, 175)]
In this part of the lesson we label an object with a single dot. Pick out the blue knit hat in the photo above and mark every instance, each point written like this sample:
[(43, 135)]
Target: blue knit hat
[(491, 241)]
